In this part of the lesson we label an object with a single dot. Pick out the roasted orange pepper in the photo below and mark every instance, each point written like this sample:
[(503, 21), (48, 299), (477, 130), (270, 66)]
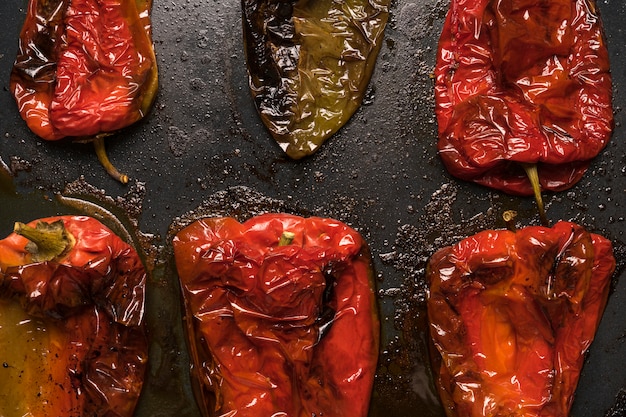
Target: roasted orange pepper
[(72, 337), (512, 314)]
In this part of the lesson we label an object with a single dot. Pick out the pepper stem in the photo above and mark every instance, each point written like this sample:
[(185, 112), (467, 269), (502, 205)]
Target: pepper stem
[(533, 176), (286, 238), (98, 143), (509, 218), (48, 241)]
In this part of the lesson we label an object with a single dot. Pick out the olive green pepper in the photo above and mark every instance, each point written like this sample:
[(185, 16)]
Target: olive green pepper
[(309, 64)]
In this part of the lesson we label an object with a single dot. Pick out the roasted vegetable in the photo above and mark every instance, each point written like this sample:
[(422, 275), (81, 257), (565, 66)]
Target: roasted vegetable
[(309, 64), (85, 69), (72, 338), (522, 85), (281, 316), (512, 314)]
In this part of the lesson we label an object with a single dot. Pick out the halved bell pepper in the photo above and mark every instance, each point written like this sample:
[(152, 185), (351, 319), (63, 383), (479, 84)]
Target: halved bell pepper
[(72, 338), (309, 64), (85, 69), (512, 314), (281, 316)]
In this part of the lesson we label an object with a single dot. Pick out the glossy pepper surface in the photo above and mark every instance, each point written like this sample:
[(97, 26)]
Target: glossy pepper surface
[(85, 68), (309, 64), (281, 316), (518, 83), (512, 314), (72, 336)]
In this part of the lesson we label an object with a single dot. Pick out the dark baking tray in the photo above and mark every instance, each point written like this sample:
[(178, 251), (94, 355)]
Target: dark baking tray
[(203, 146)]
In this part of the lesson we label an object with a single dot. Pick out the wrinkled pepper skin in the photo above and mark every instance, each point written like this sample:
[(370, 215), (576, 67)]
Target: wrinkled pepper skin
[(84, 67), (511, 316), (522, 82), (92, 358), (309, 64), (289, 330)]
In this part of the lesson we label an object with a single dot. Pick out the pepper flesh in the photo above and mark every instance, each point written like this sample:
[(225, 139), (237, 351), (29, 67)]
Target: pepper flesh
[(512, 314), (309, 64), (73, 339), (84, 68), (522, 82), (279, 329)]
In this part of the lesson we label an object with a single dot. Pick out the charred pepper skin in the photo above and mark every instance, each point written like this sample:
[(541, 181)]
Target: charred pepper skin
[(281, 316), (309, 64), (512, 314), (91, 297), (518, 83)]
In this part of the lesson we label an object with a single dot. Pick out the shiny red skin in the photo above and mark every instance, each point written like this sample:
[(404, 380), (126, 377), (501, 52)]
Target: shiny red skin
[(256, 314), (82, 66), (522, 82), (512, 315), (96, 294)]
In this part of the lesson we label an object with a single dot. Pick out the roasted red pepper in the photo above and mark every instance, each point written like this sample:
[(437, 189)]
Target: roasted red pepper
[(522, 84), (309, 64), (84, 68), (281, 316), (72, 337), (512, 314)]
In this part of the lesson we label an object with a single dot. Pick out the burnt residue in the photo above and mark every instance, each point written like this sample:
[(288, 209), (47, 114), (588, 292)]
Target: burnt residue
[(619, 408), (239, 202), (405, 371)]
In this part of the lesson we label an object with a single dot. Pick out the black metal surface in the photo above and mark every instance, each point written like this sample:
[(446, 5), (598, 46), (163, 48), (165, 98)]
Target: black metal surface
[(380, 174)]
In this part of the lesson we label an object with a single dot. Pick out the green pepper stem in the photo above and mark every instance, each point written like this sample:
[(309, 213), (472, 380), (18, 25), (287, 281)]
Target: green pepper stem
[(48, 241), (98, 143), (509, 218), (533, 176), (286, 238)]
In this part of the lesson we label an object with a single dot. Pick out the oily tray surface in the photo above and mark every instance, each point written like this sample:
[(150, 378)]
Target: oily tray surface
[(203, 150)]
